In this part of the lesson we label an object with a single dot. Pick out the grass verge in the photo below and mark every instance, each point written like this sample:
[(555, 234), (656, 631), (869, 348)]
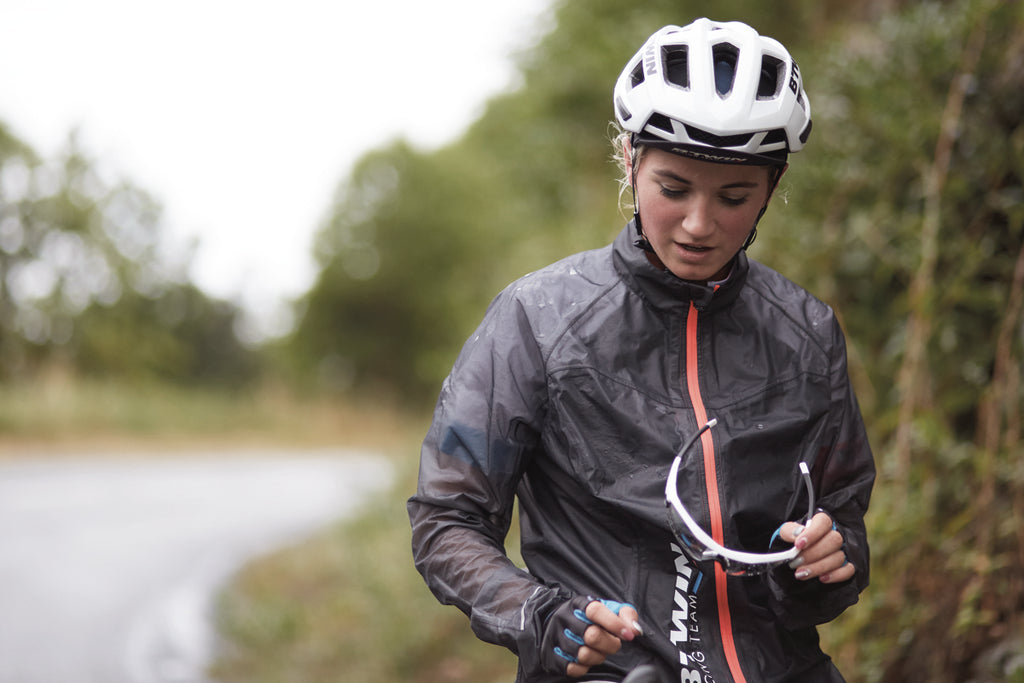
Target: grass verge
[(348, 605), (64, 414)]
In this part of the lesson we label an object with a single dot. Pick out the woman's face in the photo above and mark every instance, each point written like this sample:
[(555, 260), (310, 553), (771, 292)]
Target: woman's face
[(697, 214)]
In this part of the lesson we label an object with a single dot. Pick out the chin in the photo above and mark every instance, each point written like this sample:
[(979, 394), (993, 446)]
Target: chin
[(691, 275)]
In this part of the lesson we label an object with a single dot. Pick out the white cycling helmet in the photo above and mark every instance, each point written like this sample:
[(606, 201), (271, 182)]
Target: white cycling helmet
[(715, 91)]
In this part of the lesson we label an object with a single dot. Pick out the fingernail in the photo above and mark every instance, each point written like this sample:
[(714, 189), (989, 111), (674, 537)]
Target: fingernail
[(801, 543), (825, 578), (802, 574), (637, 628), (796, 563)]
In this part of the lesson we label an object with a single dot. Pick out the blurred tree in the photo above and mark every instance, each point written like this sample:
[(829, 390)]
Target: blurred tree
[(86, 281), (406, 255), (909, 218)]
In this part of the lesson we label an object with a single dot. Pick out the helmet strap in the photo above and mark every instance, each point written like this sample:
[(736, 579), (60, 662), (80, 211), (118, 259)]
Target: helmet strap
[(776, 177), (753, 231), (642, 242)]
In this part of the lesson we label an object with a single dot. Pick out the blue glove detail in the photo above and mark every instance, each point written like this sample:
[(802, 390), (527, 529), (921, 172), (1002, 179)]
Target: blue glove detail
[(615, 606), (565, 655)]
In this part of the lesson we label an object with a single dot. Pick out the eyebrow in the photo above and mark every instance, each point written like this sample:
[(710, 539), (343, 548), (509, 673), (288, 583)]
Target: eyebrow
[(744, 184)]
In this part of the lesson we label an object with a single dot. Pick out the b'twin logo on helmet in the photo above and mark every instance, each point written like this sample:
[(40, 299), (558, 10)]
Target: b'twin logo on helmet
[(686, 633), (794, 80), (650, 60)]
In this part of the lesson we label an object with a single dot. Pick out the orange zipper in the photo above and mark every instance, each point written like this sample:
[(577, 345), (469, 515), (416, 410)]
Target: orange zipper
[(714, 503)]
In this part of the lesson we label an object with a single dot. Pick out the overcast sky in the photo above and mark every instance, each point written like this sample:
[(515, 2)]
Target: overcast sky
[(241, 117)]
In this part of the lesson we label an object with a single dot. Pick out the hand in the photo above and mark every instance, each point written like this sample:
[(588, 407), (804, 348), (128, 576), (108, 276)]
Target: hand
[(821, 550), (583, 632)]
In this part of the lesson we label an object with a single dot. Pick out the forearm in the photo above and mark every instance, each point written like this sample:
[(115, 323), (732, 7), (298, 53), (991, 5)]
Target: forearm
[(466, 566)]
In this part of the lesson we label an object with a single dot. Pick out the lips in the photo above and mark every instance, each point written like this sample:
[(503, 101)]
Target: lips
[(693, 248)]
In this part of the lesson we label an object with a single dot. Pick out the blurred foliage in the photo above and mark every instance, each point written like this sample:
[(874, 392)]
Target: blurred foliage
[(88, 284), (906, 213), (908, 216)]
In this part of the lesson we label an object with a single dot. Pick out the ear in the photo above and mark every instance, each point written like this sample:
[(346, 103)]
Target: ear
[(773, 181)]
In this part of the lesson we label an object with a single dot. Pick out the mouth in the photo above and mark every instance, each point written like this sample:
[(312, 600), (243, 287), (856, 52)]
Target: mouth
[(693, 248)]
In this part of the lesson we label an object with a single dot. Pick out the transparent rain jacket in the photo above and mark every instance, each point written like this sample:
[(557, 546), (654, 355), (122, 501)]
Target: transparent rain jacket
[(574, 394)]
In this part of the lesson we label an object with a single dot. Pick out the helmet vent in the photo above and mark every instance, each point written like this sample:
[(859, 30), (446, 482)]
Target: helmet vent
[(725, 57), (662, 122), (677, 67), (624, 112), (706, 138), (636, 77), (772, 73), (774, 137), (805, 133)]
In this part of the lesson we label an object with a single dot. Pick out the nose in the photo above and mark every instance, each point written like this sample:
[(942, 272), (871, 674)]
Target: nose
[(698, 221)]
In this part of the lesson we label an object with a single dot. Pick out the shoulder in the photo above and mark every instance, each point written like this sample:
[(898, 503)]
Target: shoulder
[(786, 303)]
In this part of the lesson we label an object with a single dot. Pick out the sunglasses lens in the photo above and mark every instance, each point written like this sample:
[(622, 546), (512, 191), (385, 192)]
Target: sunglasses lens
[(689, 544), (700, 554)]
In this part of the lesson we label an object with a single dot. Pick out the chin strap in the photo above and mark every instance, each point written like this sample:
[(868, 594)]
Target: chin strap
[(779, 170), (641, 242), (753, 231)]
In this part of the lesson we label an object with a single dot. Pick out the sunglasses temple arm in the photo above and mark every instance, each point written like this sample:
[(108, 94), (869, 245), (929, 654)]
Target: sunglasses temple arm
[(806, 475)]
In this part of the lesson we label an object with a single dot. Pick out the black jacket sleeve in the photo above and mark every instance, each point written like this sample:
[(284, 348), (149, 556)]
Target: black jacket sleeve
[(845, 474), (485, 426)]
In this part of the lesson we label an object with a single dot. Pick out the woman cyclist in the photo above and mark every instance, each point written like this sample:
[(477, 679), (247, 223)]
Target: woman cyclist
[(585, 389)]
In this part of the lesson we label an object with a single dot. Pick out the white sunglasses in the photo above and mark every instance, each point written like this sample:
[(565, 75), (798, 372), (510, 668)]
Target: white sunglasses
[(700, 546)]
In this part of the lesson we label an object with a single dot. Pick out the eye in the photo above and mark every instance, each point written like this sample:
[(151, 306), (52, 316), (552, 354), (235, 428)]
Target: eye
[(671, 192), (735, 201)]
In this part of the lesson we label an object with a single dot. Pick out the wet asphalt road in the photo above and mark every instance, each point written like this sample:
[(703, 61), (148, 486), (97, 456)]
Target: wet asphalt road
[(108, 565)]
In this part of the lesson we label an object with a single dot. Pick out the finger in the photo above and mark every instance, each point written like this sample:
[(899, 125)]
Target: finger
[(831, 542), (576, 670), (834, 566), (629, 615), (844, 573), (611, 622), (600, 641), (789, 531), (590, 657), (819, 525)]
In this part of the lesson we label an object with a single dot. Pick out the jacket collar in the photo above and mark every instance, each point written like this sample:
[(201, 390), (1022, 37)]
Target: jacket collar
[(666, 291)]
